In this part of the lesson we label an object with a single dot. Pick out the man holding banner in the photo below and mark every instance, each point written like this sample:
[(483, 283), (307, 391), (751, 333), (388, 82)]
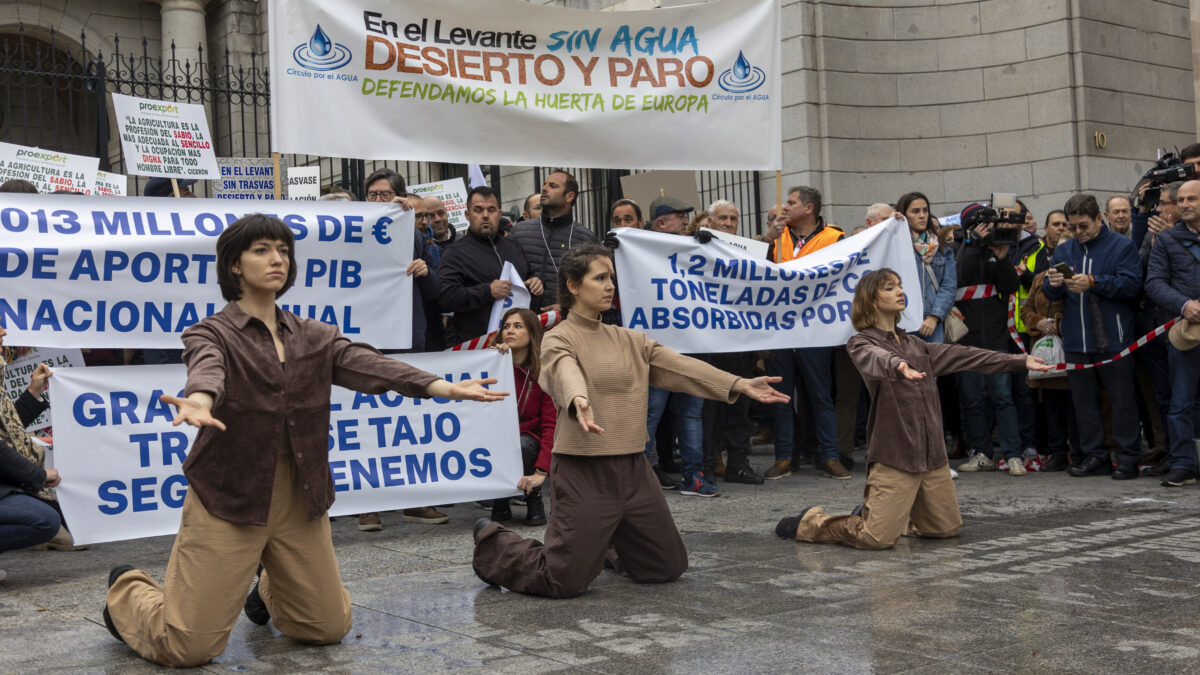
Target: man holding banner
[(258, 475), (546, 239), (798, 232)]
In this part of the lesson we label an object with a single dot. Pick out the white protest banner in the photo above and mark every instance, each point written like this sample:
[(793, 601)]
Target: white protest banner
[(107, 184), (247, 177), (121, 458), (48, 170), (713, 297), (25, 361), (528, 83), (136, 272), (453, 194), (517, 297), (753, 247), (303, 183), (165, 138)]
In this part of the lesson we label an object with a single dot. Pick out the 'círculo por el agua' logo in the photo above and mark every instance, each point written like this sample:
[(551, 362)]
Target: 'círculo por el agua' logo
[(742, 77), (321, 53)]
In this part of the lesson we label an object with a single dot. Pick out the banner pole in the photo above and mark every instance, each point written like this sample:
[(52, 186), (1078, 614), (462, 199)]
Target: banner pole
[(278, 178), (778, 190), (175, 187)]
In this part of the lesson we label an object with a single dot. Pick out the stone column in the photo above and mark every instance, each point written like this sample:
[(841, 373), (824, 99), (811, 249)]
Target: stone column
[(183, 21)]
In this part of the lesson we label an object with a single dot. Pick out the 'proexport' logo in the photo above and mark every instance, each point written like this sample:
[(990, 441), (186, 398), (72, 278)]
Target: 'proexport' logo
[(44, 156), (742, 77), (321, 53)]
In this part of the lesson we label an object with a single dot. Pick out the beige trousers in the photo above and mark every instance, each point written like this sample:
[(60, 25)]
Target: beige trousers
[(187, 620), (895, 503)]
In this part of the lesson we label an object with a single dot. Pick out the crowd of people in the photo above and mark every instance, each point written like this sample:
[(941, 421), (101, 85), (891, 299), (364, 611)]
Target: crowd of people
[(966, 386)]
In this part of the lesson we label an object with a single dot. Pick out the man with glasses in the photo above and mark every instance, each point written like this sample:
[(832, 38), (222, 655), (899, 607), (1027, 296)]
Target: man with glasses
[(384, 185), (1099, 291)]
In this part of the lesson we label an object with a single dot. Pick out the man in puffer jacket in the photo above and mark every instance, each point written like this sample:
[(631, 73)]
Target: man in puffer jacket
[(547, 238), (1173, 282), (1099, 299)]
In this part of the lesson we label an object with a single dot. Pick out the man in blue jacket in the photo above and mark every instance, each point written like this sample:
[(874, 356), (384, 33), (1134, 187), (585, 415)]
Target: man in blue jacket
[(1099, 297), (1173, 282)]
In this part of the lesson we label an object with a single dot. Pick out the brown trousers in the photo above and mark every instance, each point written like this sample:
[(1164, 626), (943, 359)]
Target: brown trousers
[(895, 503), (596, 502), (187, 620)]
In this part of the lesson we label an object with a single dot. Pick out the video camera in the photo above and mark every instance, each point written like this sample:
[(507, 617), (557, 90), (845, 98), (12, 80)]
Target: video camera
[(1168, 169), (990, 215)]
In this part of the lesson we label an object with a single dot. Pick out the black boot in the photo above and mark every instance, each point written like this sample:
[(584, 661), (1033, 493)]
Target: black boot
[(500, 510), (535, 510)]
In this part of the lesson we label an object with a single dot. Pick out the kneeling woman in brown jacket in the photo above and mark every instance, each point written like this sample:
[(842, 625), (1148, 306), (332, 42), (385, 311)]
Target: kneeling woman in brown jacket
[(603, 492), (909, 490)]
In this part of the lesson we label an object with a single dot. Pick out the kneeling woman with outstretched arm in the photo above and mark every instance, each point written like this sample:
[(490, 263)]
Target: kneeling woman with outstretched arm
[(603, 491), (909, 490)]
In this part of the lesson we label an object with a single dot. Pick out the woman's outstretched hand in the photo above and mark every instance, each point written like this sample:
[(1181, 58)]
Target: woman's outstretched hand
[(473, 390), (760, 389), (910, 373), (1037, 365), (197, 413), (587, 419)]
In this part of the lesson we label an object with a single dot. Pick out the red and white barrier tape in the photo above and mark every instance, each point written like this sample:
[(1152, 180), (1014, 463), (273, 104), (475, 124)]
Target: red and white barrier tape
[(1133, 347), (976, 292), (547, 319)]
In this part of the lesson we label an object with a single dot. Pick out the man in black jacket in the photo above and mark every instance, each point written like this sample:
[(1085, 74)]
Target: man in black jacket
[(986, 279), (470, 269), (546, 239)]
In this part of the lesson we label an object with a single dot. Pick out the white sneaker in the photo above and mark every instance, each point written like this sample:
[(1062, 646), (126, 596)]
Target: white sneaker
[(977, 462), (953, 474), (1016, 467)]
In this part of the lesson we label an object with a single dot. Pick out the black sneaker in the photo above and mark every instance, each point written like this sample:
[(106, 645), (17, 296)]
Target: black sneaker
[(742, 474), (255, 608), (1055, 463), (1125, 472), (787, 527), (114, 574), (664, 481), (1178, 478)]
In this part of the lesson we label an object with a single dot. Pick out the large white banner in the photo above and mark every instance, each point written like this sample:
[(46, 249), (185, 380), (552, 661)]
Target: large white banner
[(714, 297), (121, 460), (527, 83), (136, 272)]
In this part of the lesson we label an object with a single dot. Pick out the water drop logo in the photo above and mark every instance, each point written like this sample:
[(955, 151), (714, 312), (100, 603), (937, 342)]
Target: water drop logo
[(321, 53), (742, 77)]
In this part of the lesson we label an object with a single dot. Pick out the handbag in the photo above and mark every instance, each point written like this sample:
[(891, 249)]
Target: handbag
[(1050, 349), (954, 326)]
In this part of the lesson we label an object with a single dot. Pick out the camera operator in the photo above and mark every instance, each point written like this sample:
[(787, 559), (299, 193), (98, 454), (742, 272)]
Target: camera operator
[(1168, 169), (1097, 277), (983, 262)]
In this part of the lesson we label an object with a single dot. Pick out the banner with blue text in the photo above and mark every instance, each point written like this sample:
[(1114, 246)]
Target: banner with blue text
[(699, 298), (135, 272), (600, 89), (121, 460)]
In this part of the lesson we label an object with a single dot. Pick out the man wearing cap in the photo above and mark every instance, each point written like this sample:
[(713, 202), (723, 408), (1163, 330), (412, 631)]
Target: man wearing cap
[(545, 239), (1173, 282), (668, 215), (797, 232)]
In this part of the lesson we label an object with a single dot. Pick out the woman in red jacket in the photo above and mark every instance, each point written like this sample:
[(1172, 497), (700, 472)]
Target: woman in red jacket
[(521, 332)]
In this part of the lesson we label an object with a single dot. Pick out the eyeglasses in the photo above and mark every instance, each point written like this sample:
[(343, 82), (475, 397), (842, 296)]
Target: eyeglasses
[(424, 216), (380, 195)]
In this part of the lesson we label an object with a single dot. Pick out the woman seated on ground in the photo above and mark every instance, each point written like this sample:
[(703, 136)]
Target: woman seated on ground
[(909, 489), (521, 332)]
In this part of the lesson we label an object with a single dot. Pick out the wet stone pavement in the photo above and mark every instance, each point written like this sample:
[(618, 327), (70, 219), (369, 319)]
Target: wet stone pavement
[(1050, 573)]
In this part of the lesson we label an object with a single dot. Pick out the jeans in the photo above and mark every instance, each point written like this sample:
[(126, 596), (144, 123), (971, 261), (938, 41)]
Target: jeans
[(1119, 380), (976, 389), (26, 521), (814, 367), (687, 426), (1183, 417)]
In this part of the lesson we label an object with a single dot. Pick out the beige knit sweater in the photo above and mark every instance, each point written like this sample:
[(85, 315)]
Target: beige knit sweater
[(613, 368)]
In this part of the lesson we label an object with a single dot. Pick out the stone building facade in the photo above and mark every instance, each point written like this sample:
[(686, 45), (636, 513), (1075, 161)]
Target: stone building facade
[(955, 98)]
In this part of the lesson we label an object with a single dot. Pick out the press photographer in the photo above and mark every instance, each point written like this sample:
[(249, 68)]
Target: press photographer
[(986, 278)]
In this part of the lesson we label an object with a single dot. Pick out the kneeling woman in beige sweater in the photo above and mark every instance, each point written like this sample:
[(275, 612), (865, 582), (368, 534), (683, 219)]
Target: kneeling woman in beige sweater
[(604, 493)]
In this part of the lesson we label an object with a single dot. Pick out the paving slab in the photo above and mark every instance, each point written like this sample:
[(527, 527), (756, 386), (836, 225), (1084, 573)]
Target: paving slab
[(1049, 573)]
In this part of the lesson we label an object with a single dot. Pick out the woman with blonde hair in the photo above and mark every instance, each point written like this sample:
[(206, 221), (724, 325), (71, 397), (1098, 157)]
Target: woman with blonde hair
[(909, 489)]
